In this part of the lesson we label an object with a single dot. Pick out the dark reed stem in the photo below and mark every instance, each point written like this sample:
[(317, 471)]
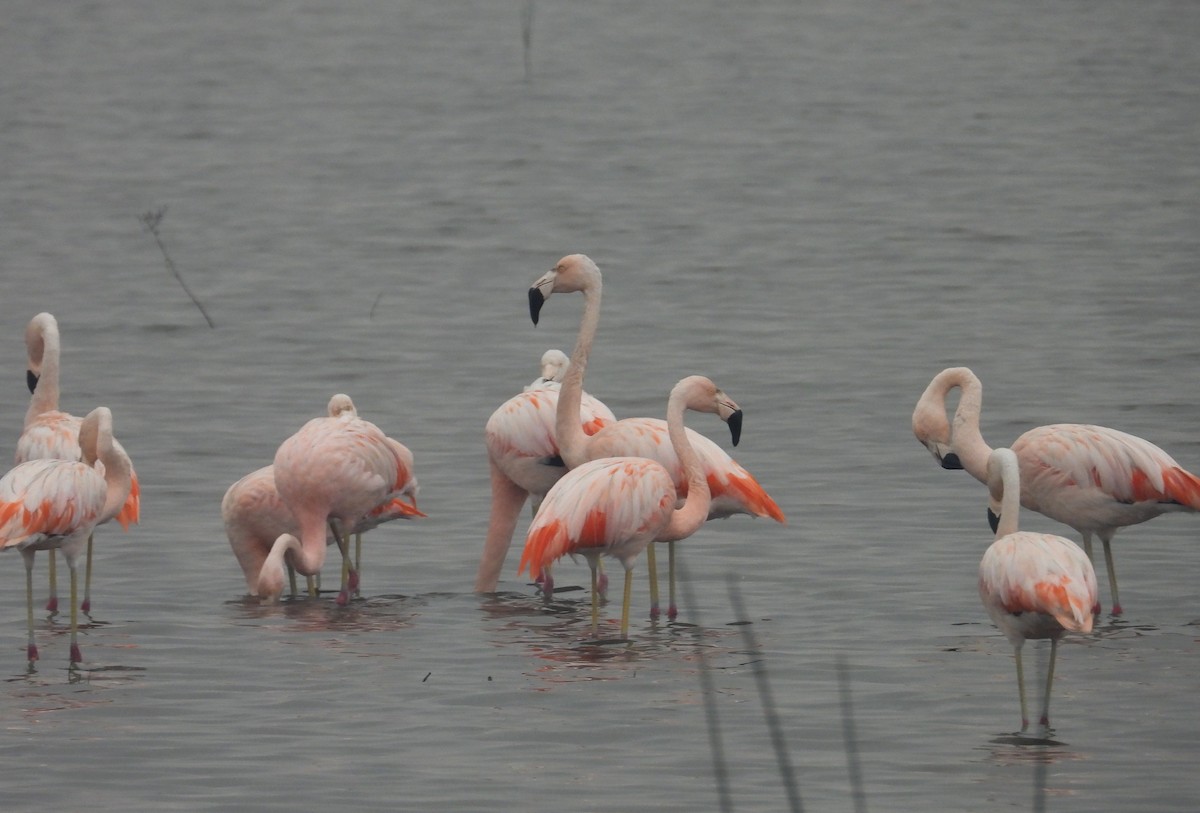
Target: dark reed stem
[(850, 737), (770, 711), (150, 221)]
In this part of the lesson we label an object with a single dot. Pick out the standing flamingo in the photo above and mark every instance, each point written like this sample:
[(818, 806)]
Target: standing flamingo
[(1094, 479), (52, 434), (255, 516), (334, 471), (50, 503), (733, 489), (616, 506), (1032, 585), (524, 460)]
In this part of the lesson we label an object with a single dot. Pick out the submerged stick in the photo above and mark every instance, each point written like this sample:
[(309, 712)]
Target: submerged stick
[(770, 711), (852, 765), (150, 221)]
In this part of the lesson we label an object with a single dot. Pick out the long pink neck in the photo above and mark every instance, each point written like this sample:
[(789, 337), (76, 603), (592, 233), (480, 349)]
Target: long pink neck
[(45, 395), (568, 429), (965, 438), (688, 518)]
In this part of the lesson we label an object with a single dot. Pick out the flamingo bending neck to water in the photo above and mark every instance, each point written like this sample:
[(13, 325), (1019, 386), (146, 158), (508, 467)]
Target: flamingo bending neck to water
[(732, 488), (1092, 478), (49, 504), (616, 506), (1032, 585)]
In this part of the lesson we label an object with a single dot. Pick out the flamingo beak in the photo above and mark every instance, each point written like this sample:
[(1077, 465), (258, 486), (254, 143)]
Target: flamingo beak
[(536, 300), (951, 461), (31, 379), (735, 425), (993, 519)]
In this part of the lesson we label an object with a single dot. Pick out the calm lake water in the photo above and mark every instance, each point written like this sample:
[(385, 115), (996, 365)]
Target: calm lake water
[(817, 204)]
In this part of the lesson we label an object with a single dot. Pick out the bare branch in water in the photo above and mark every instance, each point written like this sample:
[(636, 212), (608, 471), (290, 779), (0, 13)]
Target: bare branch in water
[(150, 221), (852, 764), (770, 711)]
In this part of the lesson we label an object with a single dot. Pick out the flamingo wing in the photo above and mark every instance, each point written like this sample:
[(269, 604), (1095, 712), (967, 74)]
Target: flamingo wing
[(614, 506), (1117, 465), (49, 498), (1027, 572), (49, 435)]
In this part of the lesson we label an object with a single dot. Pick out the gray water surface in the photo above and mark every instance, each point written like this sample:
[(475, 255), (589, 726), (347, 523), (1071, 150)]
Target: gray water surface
[(819, 205)]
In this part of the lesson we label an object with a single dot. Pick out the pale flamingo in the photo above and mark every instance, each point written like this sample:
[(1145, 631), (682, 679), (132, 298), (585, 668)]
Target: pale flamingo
[(1032, 585), (51, 504), (50, 433), (255, 515), (524, 460), (1094, 479), (616, 506), (333, 472), (554, 367), (734, 490)]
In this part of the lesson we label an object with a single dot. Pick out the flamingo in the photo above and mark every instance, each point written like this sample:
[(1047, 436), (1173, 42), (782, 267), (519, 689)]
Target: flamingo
[(1032, 585), (1092, 478), (48, 504), (524, 460), (255, 515), (616, 506), (733, 489), (51, 433), (333, 472)]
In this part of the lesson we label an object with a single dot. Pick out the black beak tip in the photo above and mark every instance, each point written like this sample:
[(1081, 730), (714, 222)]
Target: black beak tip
[(952, 462), (993, 520), (31, 380), (536, 300), (735, 426)]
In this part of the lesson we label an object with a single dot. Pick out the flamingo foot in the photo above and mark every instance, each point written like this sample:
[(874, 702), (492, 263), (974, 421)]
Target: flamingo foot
[(352, 582), (52, 604), (31, 652), (672, 612), (654, 612), (343, 598), (1024, 724), (86, 606), (76, 655), (1044, 722), (1116, 610), (1096, 608)]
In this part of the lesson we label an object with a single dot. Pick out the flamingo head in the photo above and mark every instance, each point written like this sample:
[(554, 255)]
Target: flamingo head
[(573, 273)]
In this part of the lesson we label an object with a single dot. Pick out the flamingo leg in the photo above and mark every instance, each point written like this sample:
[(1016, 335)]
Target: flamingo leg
[(76, 657), (1087, 548), (31, 647), (357, 558), (625, 603), (86, 606), (1044, 722), (349, 574), (314, 585), (672, 607), (595, 600), (292, 578), (1112, 573), (652, 572), (1021, 686), (602, 585), (52, 601)]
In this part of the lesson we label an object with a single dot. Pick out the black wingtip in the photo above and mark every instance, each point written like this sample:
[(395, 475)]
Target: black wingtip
[(735, 426), (952, 462), (536, 300), (31, 380)]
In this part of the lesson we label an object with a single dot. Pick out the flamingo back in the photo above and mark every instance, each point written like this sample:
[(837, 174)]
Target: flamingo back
[(49, 498), (1034, 573), (614, 506)]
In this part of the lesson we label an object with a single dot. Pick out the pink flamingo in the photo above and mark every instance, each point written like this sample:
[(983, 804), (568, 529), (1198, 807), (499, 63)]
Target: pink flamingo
[(524, 460), (50, 503), (1032, 585), (1094, 479), (333, 472), (733, 489), (255, 516), (616, 506), (52, 434)]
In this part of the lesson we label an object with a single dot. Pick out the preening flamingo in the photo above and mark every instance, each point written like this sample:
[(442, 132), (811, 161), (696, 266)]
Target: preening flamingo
[(49, 504), (524, 460), (554, 366), (1094, 479), (616, 506), (333, 472), (733, 489), (50, 433), (1032, 585)]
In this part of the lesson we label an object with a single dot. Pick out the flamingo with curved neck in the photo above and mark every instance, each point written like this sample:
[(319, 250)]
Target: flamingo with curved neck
[(733, 489), (1092, 478), (617, 506)]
